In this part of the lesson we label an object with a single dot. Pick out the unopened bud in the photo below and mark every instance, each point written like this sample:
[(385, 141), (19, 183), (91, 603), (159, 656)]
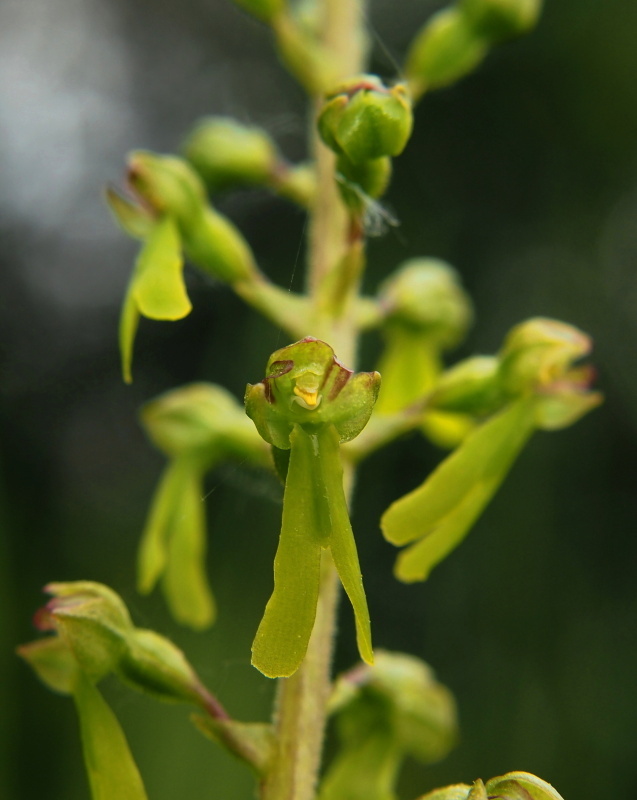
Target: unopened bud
[(445, 49), (153, 664), (500, 19), (365, 120), (217, 247), (521, 786), (199, 418), (225, 152), (426, 295)]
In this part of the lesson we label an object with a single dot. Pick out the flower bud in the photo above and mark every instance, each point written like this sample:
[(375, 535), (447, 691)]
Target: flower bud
[(308, 386), (153, 664), (421, 711), (499, 19), (93, 622), (444, 50), (200, 418), (167, 184), (458, 791), (365, 120), (538, 353), (424, 294), (225, 152), (215, 245), (521, 786)]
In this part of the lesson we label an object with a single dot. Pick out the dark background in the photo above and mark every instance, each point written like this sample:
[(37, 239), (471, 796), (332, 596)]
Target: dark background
[(524, 177)]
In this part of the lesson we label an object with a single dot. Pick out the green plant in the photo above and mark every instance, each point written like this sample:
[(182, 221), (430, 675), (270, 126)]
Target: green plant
[(312, 420)]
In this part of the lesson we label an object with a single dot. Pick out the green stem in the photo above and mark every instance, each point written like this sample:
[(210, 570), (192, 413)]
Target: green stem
[(302, 699)]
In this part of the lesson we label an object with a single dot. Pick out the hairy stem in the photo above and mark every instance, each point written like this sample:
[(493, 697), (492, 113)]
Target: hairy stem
[(301, 700)]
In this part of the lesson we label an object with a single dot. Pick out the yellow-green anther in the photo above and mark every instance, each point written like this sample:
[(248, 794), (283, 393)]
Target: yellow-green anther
[(500, 19), (225, 152), (309, 403), (445, 49), (365, 120), (538, 353)]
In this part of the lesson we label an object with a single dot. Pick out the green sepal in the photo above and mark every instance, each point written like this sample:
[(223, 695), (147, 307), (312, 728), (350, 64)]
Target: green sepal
[(53, 662), (439, 513), (521, 786), (133, 218), (281, 459), (360, 183), (253, 742), (156, 289), (112, 772), (470, 387), (173, 544), (446, 49), (364, 120), (315, 517), (225, 152)]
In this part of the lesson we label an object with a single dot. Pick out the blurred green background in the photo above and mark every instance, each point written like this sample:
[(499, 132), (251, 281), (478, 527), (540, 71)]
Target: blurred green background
[(524, 177)]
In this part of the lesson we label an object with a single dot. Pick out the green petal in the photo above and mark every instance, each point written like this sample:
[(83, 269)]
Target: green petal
[(111, 770), (158, 284), (283, 635), (441, 511), (342, 544), (185, 583), (409, 365), (521, 786)]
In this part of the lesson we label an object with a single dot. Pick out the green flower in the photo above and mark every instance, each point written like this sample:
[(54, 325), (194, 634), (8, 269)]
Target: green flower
[(308, 404)]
